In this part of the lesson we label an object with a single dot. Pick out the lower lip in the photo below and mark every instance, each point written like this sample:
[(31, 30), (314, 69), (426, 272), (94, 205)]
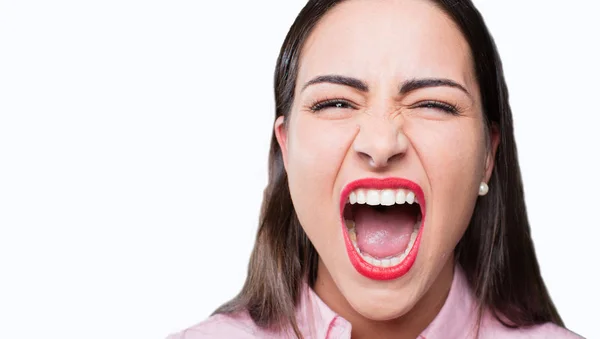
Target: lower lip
[(363, 267)]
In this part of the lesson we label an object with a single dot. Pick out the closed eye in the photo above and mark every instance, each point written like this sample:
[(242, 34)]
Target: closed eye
[(437, 105), (331, 103)]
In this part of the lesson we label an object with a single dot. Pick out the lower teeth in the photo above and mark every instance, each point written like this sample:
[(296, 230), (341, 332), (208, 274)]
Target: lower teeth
[(387, 262)]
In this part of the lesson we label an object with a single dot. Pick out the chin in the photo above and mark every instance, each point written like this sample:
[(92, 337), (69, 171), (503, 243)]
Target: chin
[(381, 305)]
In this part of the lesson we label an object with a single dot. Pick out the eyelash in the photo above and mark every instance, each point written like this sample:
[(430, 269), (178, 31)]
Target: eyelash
[(330, 103), (339, 103), (438, 105)]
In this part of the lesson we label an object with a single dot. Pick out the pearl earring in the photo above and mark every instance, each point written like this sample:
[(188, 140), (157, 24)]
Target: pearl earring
[(483, 188)]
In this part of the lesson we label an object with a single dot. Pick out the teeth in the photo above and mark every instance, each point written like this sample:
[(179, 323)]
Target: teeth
[(386, 197), (373, 197), (361, 198), (400, 197), (350, 224), (352, 235), (410, 197)]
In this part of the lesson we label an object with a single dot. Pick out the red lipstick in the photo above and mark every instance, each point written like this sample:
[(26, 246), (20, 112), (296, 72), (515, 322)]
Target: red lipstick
[(363, 267)]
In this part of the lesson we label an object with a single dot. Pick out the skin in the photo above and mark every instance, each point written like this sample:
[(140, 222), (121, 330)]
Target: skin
[(382, 133)]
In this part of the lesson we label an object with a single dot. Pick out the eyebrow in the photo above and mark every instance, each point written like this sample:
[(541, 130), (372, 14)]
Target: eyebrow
[(339, 80), (415, 84), (407, 86)]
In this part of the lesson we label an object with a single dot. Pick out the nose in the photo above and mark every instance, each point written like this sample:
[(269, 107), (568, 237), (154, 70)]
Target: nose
[(380, 141)]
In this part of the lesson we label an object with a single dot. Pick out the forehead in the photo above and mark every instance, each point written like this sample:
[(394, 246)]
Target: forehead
[(387, 40)]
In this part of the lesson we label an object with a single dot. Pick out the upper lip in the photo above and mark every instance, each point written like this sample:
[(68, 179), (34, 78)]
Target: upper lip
[(382, 183)]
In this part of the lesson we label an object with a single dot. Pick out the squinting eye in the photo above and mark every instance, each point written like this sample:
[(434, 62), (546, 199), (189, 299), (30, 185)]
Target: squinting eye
[(333, 103), (438, 105)]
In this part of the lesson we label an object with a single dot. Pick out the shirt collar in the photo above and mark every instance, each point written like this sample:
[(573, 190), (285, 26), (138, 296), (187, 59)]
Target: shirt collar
[(456, 318)]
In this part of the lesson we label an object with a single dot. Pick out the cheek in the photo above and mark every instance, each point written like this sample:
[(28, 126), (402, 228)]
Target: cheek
[(453, 156), (316, 150)]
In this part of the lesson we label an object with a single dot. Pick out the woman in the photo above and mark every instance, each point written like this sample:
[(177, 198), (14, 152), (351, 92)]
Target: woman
[(395, 206)]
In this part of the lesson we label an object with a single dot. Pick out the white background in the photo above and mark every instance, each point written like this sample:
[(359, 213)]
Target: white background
[(133, 152)]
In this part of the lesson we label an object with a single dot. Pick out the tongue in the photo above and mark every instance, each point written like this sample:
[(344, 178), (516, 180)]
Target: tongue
[(383, 232)]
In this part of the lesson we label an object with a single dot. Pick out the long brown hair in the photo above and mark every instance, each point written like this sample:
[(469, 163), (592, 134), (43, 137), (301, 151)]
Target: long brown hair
[(496, 251)]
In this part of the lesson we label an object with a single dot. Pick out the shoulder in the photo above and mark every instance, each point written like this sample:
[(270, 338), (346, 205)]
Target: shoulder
[(222, 326), (547, 330)]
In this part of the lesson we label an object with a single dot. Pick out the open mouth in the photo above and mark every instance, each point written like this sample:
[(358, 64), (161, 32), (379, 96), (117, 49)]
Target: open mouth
[(383, 222)]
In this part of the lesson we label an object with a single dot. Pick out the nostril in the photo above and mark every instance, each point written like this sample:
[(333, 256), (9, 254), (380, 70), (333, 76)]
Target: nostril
[(379, 161), (365, 157), (395, 157)]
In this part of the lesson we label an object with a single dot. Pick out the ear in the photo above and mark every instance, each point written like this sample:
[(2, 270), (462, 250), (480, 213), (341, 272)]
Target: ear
[(280, 130), (491, 154)]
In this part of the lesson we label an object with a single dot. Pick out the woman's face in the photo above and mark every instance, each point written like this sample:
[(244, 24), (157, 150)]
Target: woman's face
[(385, 90)]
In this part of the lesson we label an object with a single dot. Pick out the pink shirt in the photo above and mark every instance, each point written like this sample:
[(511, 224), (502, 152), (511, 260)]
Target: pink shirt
[(457, 319)]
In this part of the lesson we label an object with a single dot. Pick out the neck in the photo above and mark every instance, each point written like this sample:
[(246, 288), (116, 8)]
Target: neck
[(410, 325)]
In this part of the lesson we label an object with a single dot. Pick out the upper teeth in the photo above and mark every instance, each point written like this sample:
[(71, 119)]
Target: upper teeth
[(385, 197)]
